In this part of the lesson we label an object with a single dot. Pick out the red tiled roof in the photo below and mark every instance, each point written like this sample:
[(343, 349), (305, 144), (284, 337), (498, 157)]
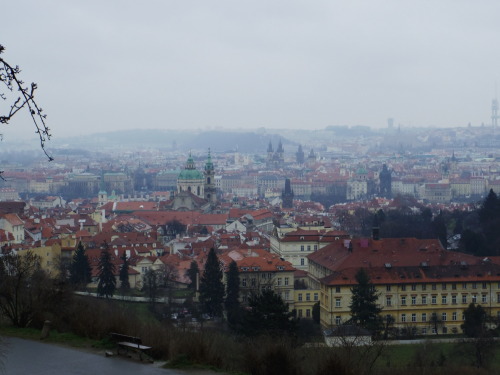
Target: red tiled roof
[(255, 260), (13, 219), (397, 260)]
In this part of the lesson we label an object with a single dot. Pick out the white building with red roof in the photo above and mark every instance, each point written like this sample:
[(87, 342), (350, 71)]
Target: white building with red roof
[(13, 224)]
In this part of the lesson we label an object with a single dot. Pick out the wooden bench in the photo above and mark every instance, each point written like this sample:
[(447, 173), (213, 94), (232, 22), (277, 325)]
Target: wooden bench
[(129, 343)]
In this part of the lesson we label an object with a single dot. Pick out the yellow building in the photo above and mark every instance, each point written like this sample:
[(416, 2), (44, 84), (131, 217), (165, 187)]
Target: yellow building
[(304, 302), (259, 269), (50, 257), (420, 285)]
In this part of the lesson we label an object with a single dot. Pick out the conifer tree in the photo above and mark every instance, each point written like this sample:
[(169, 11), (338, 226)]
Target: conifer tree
[(80, 273), (232, 301), (267, 313), (489, 210), (192, 273), (364, 308), (474, 321), (106, 270), (124, 282), (211, 286)]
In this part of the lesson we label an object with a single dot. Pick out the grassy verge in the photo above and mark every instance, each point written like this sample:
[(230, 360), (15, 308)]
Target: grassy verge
[(433, 358), (55, 337)]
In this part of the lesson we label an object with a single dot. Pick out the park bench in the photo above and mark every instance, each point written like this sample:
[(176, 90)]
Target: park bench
[(129, 344)]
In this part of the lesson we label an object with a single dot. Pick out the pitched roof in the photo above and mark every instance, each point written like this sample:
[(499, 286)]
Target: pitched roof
[(399, 260), (13, 219)]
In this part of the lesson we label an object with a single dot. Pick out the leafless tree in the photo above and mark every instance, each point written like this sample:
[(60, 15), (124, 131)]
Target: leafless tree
[(26, 291), (25, 98), (356, 351), (168, 276)]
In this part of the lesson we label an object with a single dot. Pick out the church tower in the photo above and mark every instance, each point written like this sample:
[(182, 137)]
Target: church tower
[(385, 182), (311, 158), (287, 195), (209, 174), (270, 154), (280, 154), (102, 197), (299, 156)]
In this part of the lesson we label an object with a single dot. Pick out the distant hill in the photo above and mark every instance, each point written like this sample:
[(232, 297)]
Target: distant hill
[(218, 141)]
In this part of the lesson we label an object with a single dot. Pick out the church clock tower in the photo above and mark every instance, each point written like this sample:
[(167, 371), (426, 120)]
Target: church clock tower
[(210, 192)]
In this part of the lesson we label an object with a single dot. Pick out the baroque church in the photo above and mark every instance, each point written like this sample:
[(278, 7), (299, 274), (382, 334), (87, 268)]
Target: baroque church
[(195, 189)]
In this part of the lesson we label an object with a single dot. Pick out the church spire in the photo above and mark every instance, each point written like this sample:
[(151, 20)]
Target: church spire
[(209, 165), (270, 147)]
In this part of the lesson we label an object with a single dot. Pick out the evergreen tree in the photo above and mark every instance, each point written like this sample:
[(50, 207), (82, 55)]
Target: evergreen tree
[(211, 286), (232, 302), (80, 273), (106, 270), (267, 313), (474, 320), (124, 282), (316, 313), (364, 308), (440, 230), (490, 208), (489, 217), (192, 273), (473, 243)]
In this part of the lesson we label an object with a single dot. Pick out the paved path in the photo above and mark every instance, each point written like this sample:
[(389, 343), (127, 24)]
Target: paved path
[(25, 357)]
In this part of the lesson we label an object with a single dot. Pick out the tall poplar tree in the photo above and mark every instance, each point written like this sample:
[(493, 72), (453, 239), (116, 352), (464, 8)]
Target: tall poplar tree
[(192, 273), (80, 272), (232, 301), (211, 286), (106, 274), (124, 282), (364, 308)]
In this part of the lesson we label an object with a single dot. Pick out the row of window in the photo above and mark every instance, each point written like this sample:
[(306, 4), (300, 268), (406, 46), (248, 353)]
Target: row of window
[(444, 299), (253, 281), (308, 296), (434, 286), (424, 317), (302, 248)]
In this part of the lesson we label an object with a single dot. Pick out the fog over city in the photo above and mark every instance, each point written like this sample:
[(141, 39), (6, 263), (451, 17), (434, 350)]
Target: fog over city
[(106, 66)]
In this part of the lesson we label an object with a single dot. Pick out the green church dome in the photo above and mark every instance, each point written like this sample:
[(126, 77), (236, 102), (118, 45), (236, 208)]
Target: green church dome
[(190, 174)]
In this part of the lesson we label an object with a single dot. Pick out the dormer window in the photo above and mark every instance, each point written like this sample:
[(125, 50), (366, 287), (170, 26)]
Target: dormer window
[(255, 268), (244, 268), (280, 268)]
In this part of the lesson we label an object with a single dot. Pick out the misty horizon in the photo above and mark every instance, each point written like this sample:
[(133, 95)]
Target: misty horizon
[(248, 65)]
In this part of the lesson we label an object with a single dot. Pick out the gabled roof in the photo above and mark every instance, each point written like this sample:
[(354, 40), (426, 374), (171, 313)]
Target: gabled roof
[(13, 219)]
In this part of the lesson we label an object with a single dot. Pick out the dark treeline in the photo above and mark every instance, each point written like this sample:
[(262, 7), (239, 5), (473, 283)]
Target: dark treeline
[(475, 232)]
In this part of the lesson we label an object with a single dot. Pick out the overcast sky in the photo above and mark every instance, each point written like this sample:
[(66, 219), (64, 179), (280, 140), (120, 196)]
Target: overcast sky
[(108, 65)]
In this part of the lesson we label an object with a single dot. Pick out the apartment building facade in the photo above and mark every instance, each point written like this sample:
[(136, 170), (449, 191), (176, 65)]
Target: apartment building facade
[(423, 288)]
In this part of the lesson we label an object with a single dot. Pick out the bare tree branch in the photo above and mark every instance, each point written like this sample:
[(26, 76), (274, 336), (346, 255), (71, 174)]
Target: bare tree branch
[(9, 76)]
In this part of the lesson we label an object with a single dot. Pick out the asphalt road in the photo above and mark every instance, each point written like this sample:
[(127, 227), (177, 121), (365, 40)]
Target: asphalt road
[(25, 357)]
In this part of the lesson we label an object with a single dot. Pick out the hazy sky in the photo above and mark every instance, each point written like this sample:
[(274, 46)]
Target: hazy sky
[(108, 65)]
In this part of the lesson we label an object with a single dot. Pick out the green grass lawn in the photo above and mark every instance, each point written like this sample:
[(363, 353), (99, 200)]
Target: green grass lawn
[(435, 355)]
